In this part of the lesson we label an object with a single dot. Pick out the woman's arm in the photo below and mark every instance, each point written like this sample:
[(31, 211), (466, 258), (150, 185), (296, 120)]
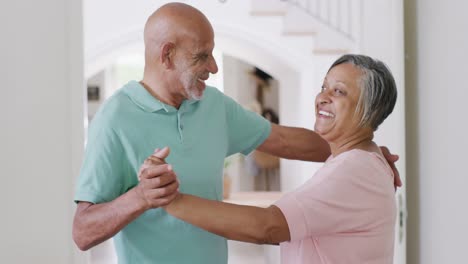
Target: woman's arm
[(235, 222)]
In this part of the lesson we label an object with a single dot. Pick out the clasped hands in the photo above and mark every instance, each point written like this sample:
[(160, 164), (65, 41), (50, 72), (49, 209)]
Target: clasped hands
[(158, 185)]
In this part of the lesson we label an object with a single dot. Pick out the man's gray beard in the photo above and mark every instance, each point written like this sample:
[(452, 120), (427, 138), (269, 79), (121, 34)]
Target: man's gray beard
[(192, 95)]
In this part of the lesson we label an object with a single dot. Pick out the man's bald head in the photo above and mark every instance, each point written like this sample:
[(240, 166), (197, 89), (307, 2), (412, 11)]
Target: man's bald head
[(174, 23), (179, 43)]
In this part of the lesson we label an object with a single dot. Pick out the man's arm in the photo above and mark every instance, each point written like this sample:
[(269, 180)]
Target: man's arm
[(304, 144), (95, 223), (295, 143)]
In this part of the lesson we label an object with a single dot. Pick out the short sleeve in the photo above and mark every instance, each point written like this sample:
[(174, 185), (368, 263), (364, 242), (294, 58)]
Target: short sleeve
[(246, 129), (104, 168), (338, 200)]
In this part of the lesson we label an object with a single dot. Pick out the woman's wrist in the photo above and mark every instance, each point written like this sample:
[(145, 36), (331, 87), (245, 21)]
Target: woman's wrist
[(174, 204)]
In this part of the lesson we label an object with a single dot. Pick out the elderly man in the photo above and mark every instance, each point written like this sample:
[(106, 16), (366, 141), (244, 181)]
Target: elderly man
[(172, 107)]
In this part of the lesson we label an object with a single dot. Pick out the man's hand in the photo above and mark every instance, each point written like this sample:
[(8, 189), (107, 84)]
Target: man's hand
[(158, 183), (391, 159), (157, 158)]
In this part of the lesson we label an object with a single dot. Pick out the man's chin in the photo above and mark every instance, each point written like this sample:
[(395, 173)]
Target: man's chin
[(196, 98), (197, 94)]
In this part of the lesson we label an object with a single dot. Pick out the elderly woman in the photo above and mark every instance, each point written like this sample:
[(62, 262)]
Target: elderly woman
[(346, 212)]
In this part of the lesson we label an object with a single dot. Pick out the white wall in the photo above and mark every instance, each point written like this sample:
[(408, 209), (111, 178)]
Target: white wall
[(41, 67), (437, 127)]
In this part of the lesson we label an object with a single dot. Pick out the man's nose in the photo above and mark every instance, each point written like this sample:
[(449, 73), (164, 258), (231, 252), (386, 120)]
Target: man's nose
[(212, 66)]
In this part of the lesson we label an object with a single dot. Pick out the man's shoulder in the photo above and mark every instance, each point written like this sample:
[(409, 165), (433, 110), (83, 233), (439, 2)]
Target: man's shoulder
[(114, 107), (212, 97), (212, 93)]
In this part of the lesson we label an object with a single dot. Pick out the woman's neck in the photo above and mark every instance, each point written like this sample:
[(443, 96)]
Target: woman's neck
[(361, 140)]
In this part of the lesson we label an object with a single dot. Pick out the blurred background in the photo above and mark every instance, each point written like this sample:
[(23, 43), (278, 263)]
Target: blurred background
[(62, 59)]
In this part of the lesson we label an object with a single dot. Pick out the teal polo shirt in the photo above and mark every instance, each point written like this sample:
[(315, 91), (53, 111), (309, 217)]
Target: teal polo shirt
[(127, 129)]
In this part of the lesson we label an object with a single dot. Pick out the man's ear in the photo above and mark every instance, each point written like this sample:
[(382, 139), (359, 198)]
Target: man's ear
[(167, 55)]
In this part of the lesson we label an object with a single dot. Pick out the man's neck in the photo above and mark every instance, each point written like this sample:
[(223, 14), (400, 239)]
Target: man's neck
[(160, 93)]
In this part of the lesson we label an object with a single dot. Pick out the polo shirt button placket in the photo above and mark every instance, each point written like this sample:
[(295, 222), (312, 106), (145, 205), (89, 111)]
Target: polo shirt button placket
[(181, 126)]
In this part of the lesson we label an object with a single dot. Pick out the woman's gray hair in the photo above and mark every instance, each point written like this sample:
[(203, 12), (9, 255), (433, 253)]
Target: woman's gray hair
[(378, 89)]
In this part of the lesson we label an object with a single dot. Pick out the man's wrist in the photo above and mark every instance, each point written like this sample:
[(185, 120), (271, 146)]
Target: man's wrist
[(139, 200)]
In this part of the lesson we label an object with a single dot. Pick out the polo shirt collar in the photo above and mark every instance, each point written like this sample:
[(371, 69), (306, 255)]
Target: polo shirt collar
[(141, 97)]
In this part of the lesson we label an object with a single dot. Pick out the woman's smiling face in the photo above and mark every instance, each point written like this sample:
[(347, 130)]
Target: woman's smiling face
[(335, 105)]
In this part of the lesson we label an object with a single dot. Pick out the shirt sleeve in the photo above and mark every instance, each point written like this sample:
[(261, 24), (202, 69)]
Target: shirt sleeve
[(335, 200), (246, 129), (102, 175)]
